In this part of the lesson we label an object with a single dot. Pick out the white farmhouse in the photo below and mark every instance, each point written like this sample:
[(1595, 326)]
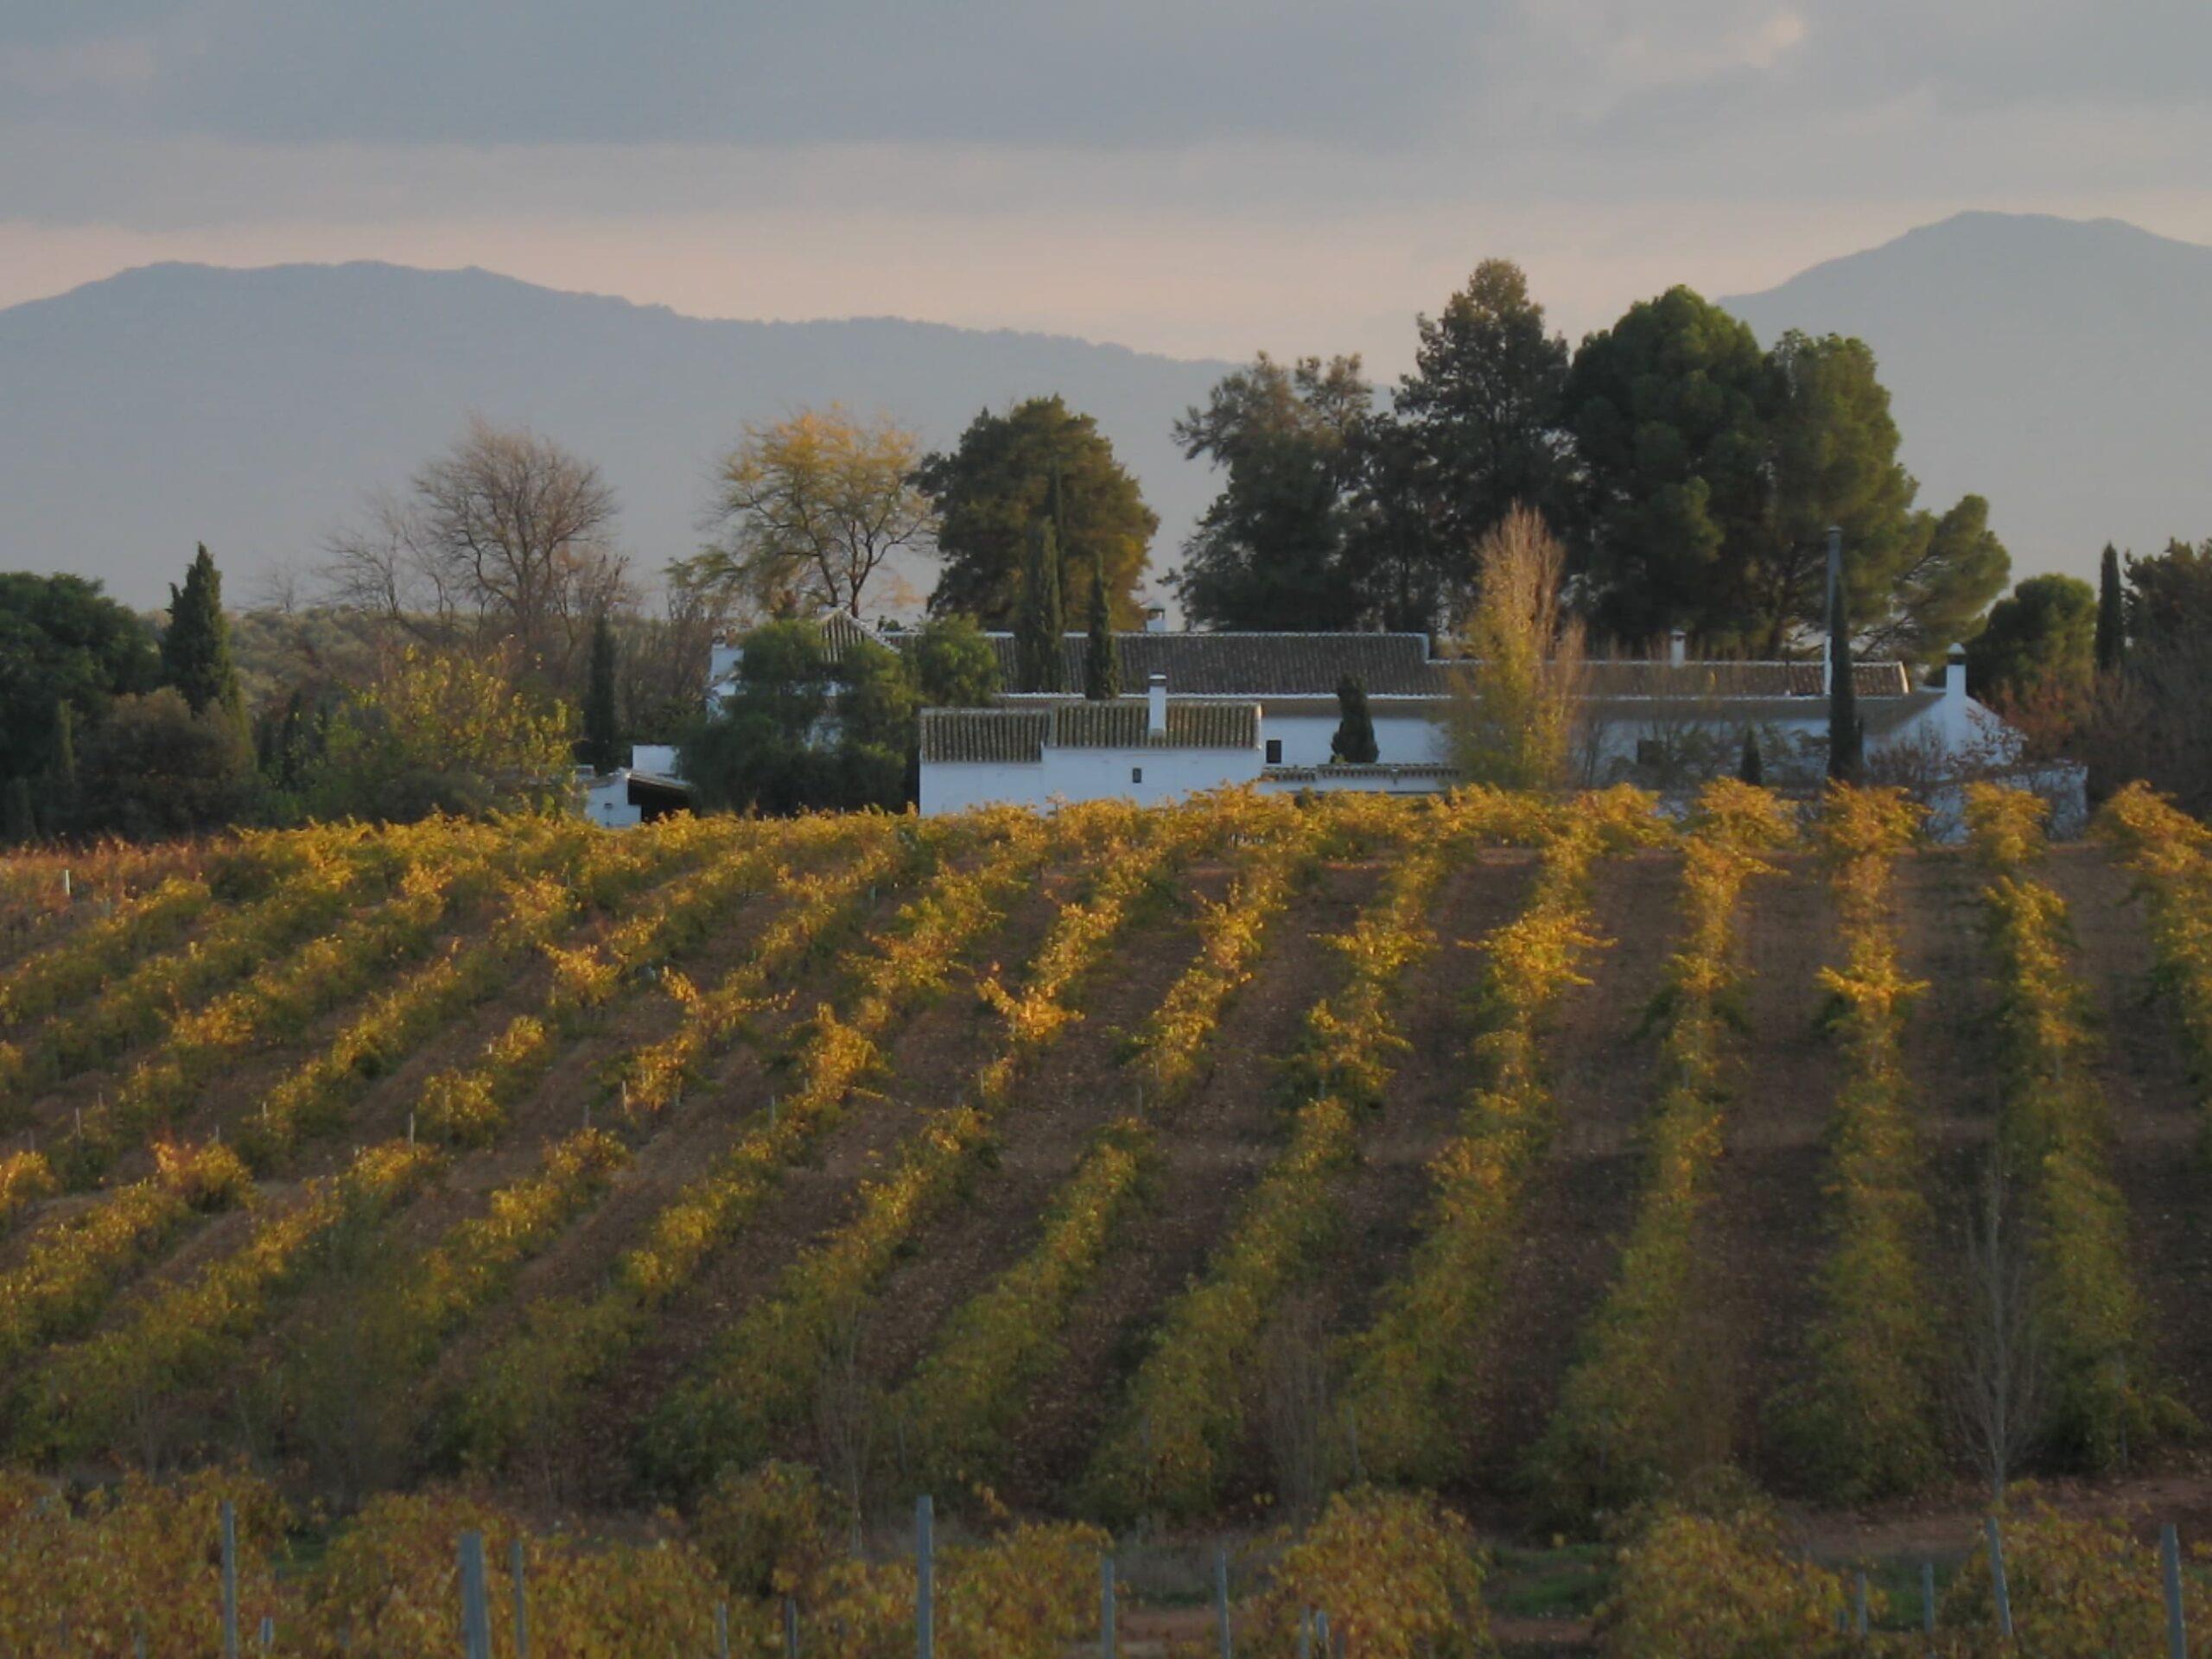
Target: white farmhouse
[(1205, 710), (1261, 708)]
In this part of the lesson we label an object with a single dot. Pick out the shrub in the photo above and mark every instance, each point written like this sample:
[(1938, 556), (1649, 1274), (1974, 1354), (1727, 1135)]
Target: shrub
[(2079, 1585), (1400, 1576), (389, 1586), (131, 1562), (1697, 1585), (770, 1531)]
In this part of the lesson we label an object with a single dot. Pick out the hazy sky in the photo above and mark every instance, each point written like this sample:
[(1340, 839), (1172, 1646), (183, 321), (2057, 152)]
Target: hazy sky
[(1200, 177)]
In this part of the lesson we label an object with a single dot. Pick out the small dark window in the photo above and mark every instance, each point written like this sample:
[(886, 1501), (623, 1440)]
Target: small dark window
[(1274, 751), (1136, 774)]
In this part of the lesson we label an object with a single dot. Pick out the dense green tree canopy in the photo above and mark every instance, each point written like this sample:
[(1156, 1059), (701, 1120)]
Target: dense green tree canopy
[(1833, 449), (953, 665), (1483, 411), (1715, 470), (1007, 475), (2170, 595), (2040, 640), (1273, 550), (155, 768), (804, 732), (1667, 410), (62, 640), (1936, 593)]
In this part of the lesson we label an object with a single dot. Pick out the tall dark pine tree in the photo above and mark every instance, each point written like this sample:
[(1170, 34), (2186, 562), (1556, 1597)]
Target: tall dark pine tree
[(1039, 623), (1102, 668), (2112, 615), (602, 748), (196, 650), (1847, 735)]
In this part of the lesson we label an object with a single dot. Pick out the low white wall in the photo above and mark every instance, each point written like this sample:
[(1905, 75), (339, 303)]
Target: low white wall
[(1373, 780), (1404, 740), (1085, 775), (608, 805)]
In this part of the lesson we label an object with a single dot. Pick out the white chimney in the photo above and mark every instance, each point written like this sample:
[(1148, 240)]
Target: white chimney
[(1954, 674), (1155, 621), (1155, 712), (1678, 648)]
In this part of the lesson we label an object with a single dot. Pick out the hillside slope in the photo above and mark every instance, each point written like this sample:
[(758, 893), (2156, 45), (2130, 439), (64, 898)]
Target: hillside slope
[(988, 1153), (253, 409), (2061, 368)]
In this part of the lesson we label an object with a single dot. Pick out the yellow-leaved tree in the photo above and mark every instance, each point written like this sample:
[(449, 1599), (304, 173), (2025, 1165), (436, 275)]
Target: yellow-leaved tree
[(1515, 720), (441, 731), (811, 508)]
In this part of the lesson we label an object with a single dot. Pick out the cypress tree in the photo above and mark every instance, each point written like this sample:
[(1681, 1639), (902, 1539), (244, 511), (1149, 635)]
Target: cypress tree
[(1750, 766), (1101, 668), (65, 745), (1354, 743), (65, 761), (196, 650), (1040, 622), (602, 748), (18, 822), (1846, 736), (2112, 615)]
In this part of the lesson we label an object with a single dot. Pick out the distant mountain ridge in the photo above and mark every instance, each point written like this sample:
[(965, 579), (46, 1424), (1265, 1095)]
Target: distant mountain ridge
[(2061, 367), (254, 409)]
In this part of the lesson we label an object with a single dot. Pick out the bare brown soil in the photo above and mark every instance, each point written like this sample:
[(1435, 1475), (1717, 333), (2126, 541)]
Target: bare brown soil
[(1068, 1097), (1219, 1139), (1767, 1228), (1579, 1200)]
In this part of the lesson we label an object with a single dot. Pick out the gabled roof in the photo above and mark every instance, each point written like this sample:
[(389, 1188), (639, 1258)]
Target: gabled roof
[(1277, 665), (1699, 680), (1880, 716), (1019, 737), (987, 736), (1121, 725), (1247, 665)]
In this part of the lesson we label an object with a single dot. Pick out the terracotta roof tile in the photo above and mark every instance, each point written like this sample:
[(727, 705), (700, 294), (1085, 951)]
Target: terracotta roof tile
[(1249, 664), (1000, 736), (1019, 735)]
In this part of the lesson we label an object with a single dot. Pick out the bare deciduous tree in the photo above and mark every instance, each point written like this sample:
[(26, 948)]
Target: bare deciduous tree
[(810, 508), (1999, 1395), (846, 1416), (1294, 1374), (506, 537)]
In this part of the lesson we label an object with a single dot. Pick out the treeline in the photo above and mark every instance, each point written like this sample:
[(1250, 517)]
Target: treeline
[(480, 629), (2118, 675), (1692, 475)]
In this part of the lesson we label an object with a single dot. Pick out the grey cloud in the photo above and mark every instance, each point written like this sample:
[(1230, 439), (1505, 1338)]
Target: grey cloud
[(1392, 74), (372, 108), (836, 71)]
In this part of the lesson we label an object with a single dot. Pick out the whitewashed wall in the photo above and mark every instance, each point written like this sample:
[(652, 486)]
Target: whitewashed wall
[(1402, 739), (608, 804), (1085, 775)]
